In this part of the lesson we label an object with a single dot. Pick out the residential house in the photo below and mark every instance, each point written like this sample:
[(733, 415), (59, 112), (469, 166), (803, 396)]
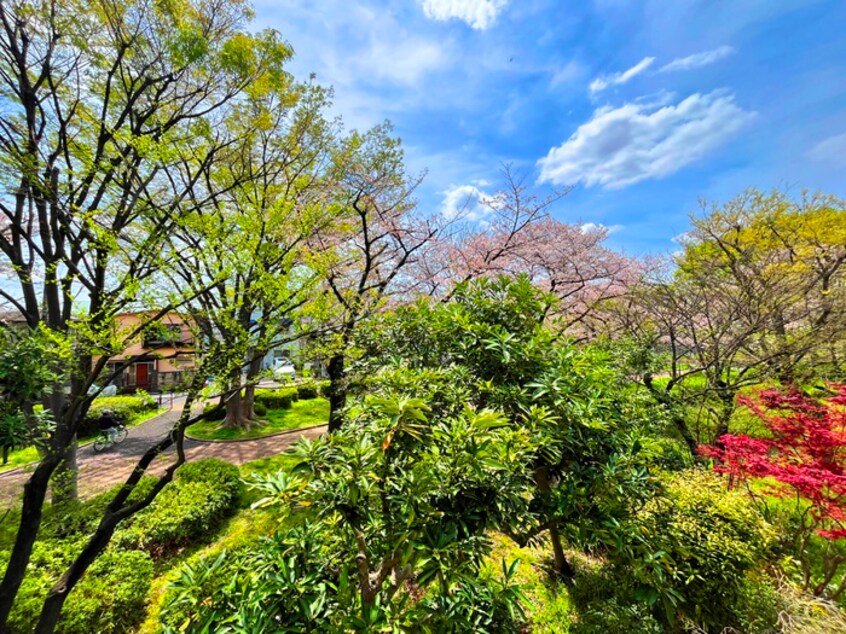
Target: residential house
[(161, 357)]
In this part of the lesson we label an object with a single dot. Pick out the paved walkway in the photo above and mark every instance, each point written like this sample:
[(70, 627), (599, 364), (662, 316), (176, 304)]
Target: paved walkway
[(101, 471)]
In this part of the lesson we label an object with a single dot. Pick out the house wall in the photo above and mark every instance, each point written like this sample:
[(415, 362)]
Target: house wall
[(163, 364)]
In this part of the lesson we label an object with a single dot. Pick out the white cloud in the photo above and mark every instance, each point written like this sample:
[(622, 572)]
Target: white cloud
[(601, 83), (697, 60), (570, 71), (467, 202), (479, 14), (591, 227), (625, 145), (830, 150)]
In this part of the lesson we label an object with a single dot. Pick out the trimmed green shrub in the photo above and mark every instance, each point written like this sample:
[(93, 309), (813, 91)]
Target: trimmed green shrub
[(282, 398), (109, 599), (222, 475), (201, 496), (260, 409), (112, 595), (78, 518), (307, 391), (323, 388), (122, 408)]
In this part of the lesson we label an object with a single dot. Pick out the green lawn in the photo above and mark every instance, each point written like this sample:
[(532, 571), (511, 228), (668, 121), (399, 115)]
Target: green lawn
[(304, 413), (27, 455)]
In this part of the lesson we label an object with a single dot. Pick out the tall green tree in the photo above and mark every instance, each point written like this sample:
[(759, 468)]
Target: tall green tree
[(243, 250), (758, 293), (98, 98)]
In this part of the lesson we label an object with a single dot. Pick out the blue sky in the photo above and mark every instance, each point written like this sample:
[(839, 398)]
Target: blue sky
[(644, 106)]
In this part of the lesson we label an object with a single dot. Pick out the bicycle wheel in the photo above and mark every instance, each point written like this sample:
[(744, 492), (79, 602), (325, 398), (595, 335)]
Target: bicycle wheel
[(120, 434), (100, 444)]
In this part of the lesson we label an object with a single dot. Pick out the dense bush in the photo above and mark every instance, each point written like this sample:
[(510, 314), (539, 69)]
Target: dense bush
[(281, 398), (308, 390), (109, 599), (122, 409), (323, 388), (409, 497), (687, 553), (201, 496), (611, 617)]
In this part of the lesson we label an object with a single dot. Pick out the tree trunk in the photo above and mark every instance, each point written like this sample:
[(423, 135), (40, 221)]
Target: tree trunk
[(679, 422), (35, 491), (248, 401), (562, 566), (235, 418), (337, 392), (727, 398), (64, 487), (117, 511)]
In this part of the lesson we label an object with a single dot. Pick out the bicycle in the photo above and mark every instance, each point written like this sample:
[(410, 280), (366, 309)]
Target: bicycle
[(105, 440)]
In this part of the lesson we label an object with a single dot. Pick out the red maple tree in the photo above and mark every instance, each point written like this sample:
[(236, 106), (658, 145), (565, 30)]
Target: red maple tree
[(803, 456)]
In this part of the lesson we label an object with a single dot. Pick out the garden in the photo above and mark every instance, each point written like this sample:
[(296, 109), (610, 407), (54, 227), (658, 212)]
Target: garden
[(493, 420)]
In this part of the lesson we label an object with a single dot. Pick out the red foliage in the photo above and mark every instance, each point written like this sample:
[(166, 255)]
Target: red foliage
[(805, 455)]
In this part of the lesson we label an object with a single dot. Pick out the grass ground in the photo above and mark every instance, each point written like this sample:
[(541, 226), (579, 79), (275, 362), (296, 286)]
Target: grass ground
[(28, 455), (248, 524), (303, 413)]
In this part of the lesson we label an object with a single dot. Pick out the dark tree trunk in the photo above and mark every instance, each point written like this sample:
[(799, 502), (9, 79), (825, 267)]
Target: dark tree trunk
[(678, 420), (727, 400), (35, 491), (337, 392), (562, 566), (117, 511), (235, 417), (248, 401)]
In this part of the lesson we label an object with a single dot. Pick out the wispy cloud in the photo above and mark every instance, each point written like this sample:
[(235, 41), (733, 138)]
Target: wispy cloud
[(592, 227), (478, 14), (622, 146), (601, 83), (698, 60), (831, 150)]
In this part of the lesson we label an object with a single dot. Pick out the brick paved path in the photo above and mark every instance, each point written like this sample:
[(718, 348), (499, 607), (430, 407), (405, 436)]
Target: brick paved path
[(99, 472)]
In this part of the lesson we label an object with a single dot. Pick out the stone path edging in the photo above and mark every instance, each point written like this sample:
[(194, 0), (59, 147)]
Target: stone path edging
[(254, 438)]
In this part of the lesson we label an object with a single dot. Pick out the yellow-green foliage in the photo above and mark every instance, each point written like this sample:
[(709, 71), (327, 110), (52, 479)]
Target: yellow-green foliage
[(691, 549), (548, 604)]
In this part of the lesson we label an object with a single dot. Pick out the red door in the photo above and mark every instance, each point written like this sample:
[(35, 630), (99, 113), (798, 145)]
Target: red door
[(142, 375)]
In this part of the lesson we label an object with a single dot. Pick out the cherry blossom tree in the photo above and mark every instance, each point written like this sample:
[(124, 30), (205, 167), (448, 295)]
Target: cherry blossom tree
[(518, 236)]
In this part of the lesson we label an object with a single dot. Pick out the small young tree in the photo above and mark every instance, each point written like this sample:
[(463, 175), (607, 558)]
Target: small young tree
[(570, 404), (802, 457), (398, 505), (365, 255)]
